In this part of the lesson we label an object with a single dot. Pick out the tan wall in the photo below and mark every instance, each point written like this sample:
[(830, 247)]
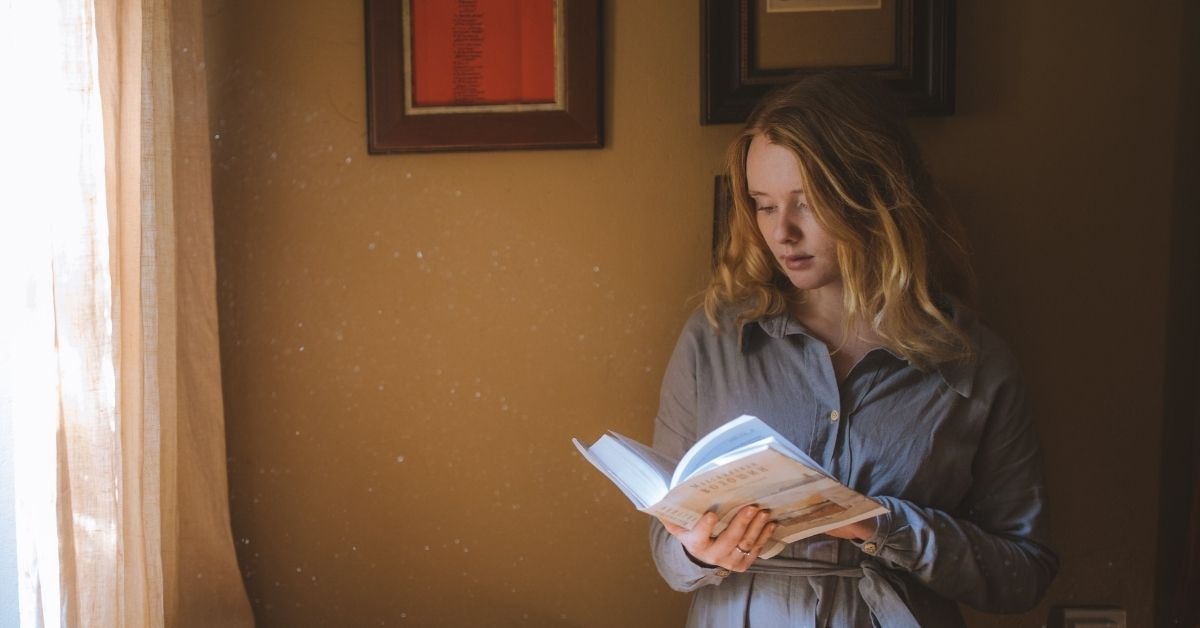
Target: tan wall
[(409, 342)]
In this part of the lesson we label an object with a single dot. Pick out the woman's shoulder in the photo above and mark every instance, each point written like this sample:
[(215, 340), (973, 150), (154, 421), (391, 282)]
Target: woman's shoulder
[(990, 346), (724, 320), (994, 363), (699, 328), (702, 330)]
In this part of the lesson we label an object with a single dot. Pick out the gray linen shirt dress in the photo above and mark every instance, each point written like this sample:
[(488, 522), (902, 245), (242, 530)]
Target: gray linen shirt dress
[(952, 453)]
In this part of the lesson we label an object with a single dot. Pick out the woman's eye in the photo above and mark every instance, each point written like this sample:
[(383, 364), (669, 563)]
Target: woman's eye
[(765, 208)]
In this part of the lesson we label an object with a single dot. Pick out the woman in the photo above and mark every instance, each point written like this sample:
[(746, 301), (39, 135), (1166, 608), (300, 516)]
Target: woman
[(839, 314)]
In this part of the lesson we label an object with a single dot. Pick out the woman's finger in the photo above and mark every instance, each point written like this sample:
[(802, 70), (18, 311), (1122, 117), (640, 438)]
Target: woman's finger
[(704, 527), (763, 537), (735, 532), (747, 548)]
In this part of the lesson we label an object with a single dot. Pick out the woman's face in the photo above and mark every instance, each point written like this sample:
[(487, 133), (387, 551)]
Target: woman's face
[(803, 250)]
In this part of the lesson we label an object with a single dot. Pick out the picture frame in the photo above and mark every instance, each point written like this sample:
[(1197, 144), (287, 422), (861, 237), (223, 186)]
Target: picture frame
[(722, 212), (398, 121), (920, 70)]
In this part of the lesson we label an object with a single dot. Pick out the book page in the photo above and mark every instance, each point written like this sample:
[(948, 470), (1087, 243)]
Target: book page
[(826, 506), (642, 480), (812, 508), (764, 472), (803, 501), (744, 431), (662, 465), (737, 433)]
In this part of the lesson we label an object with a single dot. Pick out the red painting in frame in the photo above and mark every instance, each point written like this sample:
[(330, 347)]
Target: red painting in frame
[(457, 75)]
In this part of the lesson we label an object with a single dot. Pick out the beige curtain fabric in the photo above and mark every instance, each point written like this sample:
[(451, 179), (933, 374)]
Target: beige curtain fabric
[(179, 558), (120, 397)]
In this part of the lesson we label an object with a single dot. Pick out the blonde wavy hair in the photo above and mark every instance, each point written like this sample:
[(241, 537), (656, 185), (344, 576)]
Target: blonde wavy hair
[(902, 253)]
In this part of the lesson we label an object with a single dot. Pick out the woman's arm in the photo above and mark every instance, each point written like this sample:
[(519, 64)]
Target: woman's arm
[(675, 430), (993, 553)]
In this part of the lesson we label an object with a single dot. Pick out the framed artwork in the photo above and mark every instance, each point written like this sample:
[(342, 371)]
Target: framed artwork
[(458, 75), (749, 47), (722, 210)]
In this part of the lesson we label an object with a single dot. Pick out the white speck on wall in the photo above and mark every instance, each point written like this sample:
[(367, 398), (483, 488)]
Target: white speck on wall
[(458, 192), (420, 255), (371, 246), (408, 175), (595, 269), (347, 159), (216, 136), (274, 155), (400, 459)]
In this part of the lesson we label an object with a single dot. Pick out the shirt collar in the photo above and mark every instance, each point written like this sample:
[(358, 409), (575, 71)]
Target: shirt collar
[(958, 376)]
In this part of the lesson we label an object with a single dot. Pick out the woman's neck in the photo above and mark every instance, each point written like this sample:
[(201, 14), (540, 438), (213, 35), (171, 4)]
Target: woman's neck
[(823, 313)]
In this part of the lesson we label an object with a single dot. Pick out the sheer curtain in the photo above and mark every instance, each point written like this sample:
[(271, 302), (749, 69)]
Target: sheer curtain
[(109, 368)]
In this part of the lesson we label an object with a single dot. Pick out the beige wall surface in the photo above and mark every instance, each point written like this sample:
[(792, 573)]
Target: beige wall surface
[(410, 341)]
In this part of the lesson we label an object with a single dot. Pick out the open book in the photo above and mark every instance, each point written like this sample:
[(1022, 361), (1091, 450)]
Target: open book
[(740, 463)]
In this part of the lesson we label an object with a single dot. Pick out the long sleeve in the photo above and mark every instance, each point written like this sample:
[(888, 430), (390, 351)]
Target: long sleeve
[(995, 553), (951, 452), (674, 432)]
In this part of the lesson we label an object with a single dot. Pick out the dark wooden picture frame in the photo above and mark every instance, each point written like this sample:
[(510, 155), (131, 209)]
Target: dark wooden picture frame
[(391, 128), (732, 81), (722, 212)]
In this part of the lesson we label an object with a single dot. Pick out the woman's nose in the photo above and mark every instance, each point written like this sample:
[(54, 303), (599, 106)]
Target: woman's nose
[(784, 230)]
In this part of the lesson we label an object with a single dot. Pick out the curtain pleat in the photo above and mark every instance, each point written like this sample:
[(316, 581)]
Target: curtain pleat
[(115, 388), (206, 585)]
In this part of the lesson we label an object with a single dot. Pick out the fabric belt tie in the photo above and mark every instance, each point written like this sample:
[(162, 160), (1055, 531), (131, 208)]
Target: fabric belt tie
[(878, 594)]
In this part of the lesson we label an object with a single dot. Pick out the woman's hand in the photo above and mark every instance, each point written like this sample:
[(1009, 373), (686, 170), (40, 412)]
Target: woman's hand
[(735, 547)]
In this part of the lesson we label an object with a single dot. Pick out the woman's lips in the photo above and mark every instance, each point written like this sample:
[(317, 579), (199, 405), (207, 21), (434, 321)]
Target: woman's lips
[(797, 262)]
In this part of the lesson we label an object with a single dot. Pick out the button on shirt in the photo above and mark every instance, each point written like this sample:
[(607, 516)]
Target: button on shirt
[(951, 452)]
